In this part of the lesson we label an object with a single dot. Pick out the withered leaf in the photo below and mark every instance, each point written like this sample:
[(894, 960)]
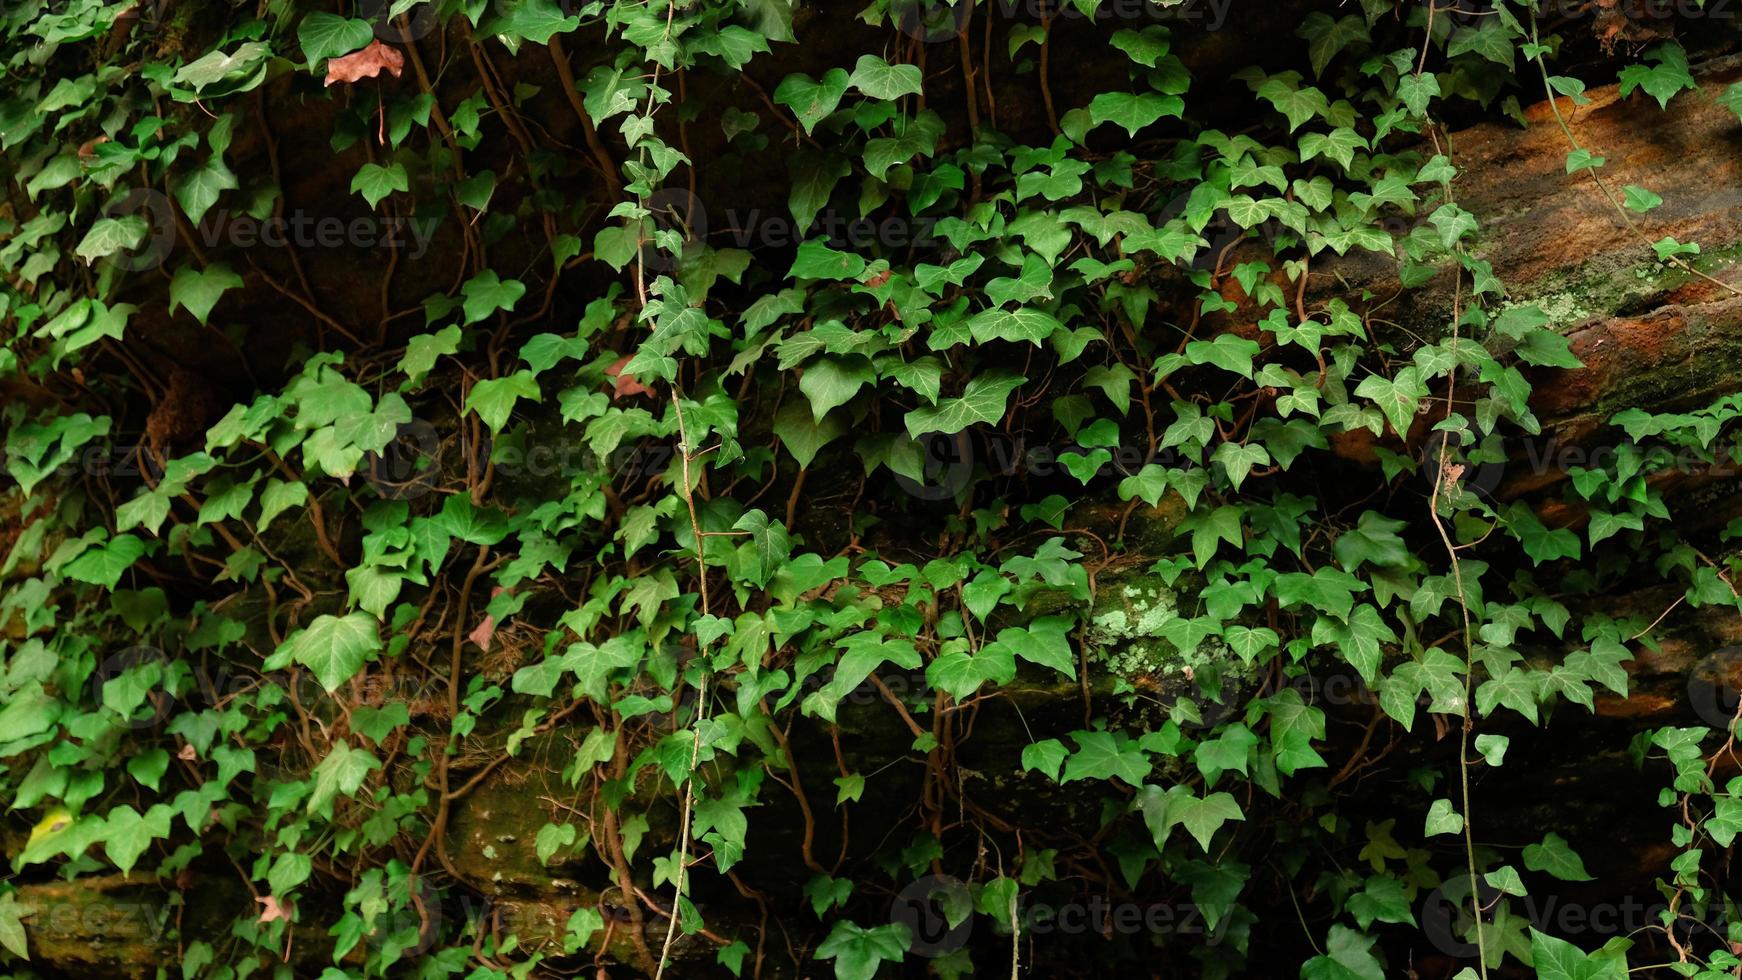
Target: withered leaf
[(485, 631), (276, 909), (366, 63), (625, 385)]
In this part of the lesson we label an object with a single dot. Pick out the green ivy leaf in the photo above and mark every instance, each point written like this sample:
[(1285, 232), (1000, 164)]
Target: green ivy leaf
[(486, 294), (959, 673), (1229, 750), (1015, 326), (816, 260), (1228, 351), (1147, 484), (1297, 103), (127, 834), (1397, 397), (1640, 199), (377, 723), (881, 80), (12, 936), (858, 951), (104, 564), (493, 400), (1348, 956), (983, 400), (288, 870), (198, 189), (1046, 756), (1326, 36), (769, 539), (1104, 755), (218, 73), (553, 837), (1145, 47), (810, 100), (1417, 91), (1250, 643), (373, 588), (466, 521), (422, 351), (1133, 111), (1382, 899), (148, 767), (1237, 461), (833, 381), (533, 20), (1506, 879), (334, 648), (341, 773), (1557, 959), (1202, 818), (110, 235), (323, 35), (375, 182), (1339, 145), (1442, 818), (1664, 79), (1374, 539), (1731, 98), (199, 290), (803, 434), (1516, 689), (1491, 40), (1044, 641), (1556, 857)]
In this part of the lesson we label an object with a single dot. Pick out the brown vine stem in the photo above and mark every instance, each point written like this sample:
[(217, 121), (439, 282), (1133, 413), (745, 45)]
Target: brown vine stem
[(640, 253), (1469, 667), (687, 456), (1433, 510), (965, 47), (1052, 116), (316, 517), (595, 146), (438, 828)]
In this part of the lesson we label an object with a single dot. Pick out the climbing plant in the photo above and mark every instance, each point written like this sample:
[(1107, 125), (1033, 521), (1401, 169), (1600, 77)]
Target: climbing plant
[(833, 480)]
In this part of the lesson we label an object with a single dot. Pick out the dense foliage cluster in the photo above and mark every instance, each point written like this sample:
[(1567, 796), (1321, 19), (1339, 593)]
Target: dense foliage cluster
[(832, 480)]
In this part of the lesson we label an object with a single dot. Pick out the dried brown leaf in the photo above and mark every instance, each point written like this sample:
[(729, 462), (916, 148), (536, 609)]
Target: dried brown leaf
[(485, 631), (625, 384), (366, 63), (276, 909)]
